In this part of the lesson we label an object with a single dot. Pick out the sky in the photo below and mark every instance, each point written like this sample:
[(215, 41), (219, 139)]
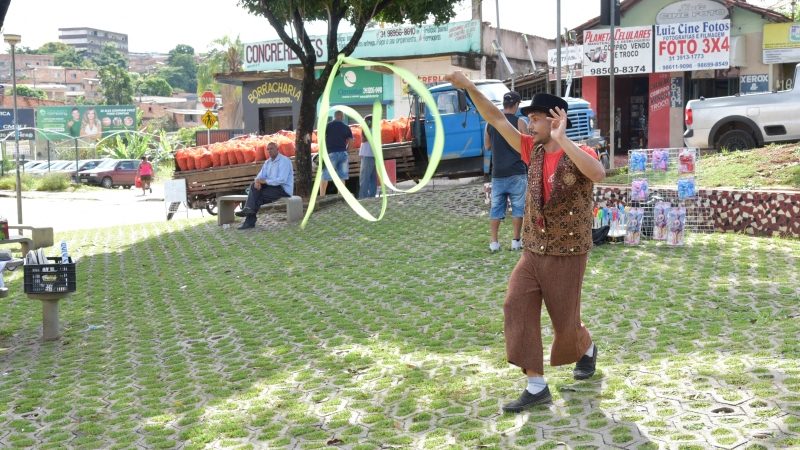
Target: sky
[(160, 25)]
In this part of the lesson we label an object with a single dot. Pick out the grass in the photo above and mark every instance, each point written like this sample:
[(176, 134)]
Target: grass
[(389, 334), (773, 166)]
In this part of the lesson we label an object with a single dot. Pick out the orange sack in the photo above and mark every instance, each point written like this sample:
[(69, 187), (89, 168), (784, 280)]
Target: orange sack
[(387, 132), (202, 159), (358, 136), (249, 155), (180, 159)]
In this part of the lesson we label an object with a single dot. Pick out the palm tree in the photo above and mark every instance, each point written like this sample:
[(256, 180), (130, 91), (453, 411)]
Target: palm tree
[(224, 56)]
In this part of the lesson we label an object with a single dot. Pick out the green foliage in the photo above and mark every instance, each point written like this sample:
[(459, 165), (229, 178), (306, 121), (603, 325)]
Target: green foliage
[(154, 85), (110, 56), (9, 182), (223, 56), (128, 146), (185, 136), (116, 85), (27, 91), (53, 182), (181, 69)]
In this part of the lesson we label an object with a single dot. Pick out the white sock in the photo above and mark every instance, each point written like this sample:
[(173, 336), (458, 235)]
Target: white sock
[(590, 351), (536, 385)]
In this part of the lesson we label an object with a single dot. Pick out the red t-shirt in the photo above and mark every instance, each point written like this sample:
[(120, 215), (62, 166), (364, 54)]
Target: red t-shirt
[(550, 163)]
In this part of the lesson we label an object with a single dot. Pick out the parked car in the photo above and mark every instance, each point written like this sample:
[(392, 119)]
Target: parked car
[(32, 164), (111, 173), (44, 169)]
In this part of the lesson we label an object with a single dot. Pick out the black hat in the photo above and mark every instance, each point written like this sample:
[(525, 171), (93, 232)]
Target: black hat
[(544, 103), (511, 97)]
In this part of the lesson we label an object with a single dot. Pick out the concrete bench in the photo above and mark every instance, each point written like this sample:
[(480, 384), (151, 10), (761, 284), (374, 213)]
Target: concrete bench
[(39, 237), (226, 205)]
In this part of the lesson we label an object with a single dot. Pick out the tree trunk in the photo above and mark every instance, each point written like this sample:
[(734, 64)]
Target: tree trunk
[(305, 126)]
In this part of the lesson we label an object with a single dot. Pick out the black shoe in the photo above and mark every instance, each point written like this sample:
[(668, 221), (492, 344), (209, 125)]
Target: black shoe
[(246, 226), (244, 212), (584, 368), (526, 400)]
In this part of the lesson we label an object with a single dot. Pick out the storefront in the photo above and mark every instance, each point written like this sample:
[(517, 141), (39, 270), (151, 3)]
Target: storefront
[(271, 88), (667, 53)]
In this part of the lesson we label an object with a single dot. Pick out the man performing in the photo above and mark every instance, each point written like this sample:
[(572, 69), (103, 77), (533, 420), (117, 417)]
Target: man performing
[(556, 235), (275, 180), (509, 176)]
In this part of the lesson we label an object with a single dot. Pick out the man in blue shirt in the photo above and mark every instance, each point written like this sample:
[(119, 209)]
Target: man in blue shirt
[(338, 140), (275, 180)]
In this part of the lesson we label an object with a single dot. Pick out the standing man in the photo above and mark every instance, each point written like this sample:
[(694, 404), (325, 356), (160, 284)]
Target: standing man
[(509, 176), (338, 139), (556, 234), (275, 180), (368, 184)]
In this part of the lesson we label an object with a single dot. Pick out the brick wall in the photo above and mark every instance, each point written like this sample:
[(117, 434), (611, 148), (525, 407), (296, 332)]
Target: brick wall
[(755, 212)]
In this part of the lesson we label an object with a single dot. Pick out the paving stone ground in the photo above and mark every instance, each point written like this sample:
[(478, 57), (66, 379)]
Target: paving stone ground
[(352, 334)]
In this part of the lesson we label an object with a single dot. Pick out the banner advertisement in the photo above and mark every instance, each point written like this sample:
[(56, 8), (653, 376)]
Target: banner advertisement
[(24, 120), (85, 122), (633, 51), (404, 40), (753, 84), (570, 56), (781, 43), (693, 46), (356, 85)]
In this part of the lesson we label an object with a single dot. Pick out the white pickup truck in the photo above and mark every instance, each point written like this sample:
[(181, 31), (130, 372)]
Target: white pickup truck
[(744, 121)]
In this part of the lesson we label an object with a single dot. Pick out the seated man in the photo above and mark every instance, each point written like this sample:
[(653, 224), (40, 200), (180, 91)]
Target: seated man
[(275, 180)]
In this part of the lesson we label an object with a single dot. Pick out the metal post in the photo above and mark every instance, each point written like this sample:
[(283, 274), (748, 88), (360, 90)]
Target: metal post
[(3, 165), (611, 128), (48, 156), (77, 163), (13, 40), (558, 48), (499, 44)]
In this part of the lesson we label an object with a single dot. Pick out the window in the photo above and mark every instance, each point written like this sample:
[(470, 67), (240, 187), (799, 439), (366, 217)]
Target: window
[(447, 102), (126, 165)]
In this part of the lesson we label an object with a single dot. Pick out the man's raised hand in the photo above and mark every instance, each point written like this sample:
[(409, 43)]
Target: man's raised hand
[(458, 80)]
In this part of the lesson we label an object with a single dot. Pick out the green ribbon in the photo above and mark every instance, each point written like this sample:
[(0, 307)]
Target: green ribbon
[(373, 136)]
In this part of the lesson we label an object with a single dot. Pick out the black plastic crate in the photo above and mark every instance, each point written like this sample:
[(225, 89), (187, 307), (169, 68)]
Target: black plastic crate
[(50, 278)]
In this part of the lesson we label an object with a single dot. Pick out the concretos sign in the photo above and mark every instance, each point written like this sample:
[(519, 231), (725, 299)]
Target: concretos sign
[(693, 46), (404, 40), (633, 51)]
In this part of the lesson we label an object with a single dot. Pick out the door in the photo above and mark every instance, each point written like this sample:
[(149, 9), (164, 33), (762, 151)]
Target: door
[(462, 124), (125, 173), (271, 120)]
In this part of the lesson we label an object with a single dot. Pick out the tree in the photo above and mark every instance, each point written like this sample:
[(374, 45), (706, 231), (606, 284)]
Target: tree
[(181, 69), (63, 54), (27, 91), (154, 85), (116, 85), (291, 13), (225, 55), (109, 55)]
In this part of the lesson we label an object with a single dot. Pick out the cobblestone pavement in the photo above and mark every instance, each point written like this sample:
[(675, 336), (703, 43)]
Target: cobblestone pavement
[(351, 334)]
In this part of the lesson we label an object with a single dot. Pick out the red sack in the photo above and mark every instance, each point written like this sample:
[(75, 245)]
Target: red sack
[(387, 132), (357, 136), (138, 181)]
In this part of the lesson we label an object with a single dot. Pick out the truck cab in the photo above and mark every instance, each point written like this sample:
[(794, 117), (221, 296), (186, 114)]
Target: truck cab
[(464, 151)]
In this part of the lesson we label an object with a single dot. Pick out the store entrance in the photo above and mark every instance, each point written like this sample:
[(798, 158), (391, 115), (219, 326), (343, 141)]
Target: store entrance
[(271, 120), (631, 112)]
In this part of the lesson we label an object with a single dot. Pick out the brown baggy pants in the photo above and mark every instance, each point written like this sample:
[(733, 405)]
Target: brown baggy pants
[(557, 280)]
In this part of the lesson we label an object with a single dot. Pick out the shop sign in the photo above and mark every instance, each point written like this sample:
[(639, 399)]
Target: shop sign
[(633, 51), (88, 123), (660, 89), (274, 93), (751, 84), (400, 41), (570, 56), (24, 120), (356, 85), (676, 92), (427, 80), (692, 11), (693, 46), (781, 43)]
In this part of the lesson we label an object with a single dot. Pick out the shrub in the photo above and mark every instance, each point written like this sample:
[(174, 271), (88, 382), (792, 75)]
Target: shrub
[(9, 182), (53, 182)]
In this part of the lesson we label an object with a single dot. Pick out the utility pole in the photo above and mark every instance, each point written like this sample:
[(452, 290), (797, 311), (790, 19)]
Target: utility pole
[(558, 48), (612, 118)]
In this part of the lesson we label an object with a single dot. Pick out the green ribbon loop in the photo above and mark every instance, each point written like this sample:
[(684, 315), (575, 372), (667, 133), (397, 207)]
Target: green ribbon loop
[(373, 136)]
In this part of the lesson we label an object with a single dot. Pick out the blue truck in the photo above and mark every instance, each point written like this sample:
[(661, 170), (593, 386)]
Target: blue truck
[(464, 151)]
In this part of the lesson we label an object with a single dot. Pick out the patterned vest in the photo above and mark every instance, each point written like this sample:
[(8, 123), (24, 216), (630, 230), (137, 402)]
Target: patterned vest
[(562, 226)]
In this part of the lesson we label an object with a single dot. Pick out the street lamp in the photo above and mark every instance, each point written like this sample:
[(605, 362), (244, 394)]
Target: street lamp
[(13, 40)]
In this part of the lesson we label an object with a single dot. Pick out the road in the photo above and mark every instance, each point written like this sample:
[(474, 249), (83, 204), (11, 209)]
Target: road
[(92, 208)]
